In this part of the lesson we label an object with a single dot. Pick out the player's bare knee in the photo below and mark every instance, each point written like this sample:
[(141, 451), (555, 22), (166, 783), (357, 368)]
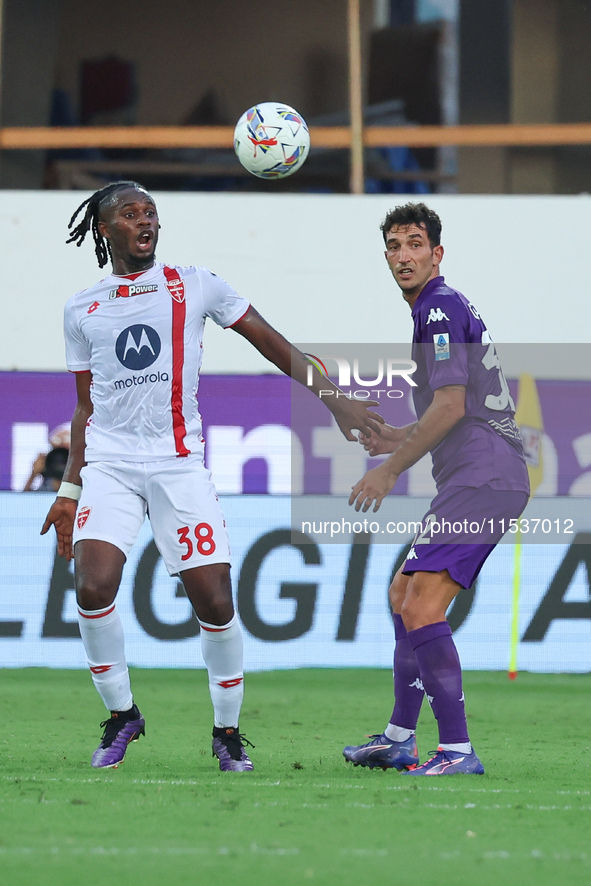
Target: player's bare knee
[(397, 591), (214, 610), (210, 591), (94, 594), (411, 612)]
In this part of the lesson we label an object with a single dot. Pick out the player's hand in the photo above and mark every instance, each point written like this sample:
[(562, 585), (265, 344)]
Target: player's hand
[(373, 487), (352, 414), (386, 442), (62, 514)]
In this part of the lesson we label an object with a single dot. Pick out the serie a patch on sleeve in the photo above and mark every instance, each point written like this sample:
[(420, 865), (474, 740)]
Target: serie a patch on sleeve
[(441, 345)]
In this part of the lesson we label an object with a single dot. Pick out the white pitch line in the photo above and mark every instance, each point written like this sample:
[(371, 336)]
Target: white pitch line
[(185, 782), (255, 849)]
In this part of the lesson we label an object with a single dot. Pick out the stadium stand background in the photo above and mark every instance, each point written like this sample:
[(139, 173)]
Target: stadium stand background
[(200, 62)]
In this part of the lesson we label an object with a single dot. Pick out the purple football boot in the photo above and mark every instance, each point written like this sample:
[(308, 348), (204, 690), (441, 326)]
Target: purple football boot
[(121, 728), (450, 763), (384, 753), (228, 747)]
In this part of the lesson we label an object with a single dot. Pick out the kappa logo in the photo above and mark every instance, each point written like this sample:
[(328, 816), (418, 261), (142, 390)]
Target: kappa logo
[(129, 290), (412, 555), (138, 346), (82, 517), (435, 315)]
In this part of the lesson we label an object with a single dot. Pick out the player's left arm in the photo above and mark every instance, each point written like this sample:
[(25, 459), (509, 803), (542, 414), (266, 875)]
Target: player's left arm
[(349, 414), (446, 409), (63, 511)]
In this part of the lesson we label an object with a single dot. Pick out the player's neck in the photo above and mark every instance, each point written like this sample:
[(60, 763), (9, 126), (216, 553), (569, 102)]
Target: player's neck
[(410, 296), (123, 267)]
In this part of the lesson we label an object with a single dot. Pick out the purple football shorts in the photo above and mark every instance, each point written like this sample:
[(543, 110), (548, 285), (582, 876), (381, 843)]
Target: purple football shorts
[(461, 528)]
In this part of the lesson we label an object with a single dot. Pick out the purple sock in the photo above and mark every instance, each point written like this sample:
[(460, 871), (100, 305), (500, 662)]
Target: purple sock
[(408, 688), (441, 674)]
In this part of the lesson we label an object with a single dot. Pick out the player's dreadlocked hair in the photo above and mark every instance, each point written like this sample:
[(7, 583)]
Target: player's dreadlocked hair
[(90, 219)]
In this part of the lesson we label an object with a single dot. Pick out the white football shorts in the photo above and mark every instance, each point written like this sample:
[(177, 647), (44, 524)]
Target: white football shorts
[(177, 495)]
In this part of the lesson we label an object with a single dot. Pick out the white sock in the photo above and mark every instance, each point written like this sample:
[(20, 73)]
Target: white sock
[(102, 634), (397, 733), (463, 747), (221, 647)]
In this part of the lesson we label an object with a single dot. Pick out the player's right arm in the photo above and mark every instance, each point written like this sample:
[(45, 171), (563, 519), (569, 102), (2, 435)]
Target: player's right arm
[(63, 511)]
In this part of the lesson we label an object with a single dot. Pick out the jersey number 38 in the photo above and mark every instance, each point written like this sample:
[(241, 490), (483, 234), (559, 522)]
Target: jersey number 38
[(204, 542)]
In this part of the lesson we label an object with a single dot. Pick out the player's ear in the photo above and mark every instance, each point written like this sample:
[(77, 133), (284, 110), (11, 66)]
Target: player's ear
[(438, 254), (102, 229)]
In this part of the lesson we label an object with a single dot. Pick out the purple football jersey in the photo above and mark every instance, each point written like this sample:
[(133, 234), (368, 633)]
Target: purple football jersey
[(451, 345)]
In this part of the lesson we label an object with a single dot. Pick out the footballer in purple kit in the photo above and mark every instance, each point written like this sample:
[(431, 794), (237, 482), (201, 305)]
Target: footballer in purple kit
[(466, 420), (134, 341)]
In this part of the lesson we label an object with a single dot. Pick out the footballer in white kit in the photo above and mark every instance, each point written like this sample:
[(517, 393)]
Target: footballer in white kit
[(141, 337), (134, 342)]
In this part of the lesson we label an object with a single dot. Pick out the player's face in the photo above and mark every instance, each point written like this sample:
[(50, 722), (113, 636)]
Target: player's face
[(131, 227), (411, 259)]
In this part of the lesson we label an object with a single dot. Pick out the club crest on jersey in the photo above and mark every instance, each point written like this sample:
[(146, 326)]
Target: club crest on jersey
[(127, 290), (82, 517), (175, 285)]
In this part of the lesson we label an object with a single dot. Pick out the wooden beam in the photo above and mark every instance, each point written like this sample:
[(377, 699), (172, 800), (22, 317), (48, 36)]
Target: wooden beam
[(507, 135), (355, 97)]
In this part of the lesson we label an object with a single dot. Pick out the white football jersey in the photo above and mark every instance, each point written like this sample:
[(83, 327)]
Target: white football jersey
[(142, 340)]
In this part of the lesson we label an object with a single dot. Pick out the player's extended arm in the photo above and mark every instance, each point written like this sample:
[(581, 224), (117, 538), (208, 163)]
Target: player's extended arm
[(63, 511), (390, 439), (445, 411), (348, 413)]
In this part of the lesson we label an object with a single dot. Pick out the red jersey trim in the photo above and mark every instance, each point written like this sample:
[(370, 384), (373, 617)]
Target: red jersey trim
[(179, 313), (239, 318)]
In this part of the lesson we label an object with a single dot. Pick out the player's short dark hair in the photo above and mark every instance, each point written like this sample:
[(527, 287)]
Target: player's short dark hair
[(105, 197), (414, 214)]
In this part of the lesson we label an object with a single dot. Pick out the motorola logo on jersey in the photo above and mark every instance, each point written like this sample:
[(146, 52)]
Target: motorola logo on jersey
[(137, 347)]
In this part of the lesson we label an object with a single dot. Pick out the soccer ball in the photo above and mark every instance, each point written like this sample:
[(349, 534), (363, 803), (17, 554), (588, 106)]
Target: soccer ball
[(271, 140)]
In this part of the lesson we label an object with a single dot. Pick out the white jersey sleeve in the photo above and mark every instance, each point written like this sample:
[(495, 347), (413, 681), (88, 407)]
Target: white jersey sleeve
[(77, 346), (221, 303)]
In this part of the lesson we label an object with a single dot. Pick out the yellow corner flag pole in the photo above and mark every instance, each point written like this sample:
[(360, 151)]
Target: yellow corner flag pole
[(528, 417)]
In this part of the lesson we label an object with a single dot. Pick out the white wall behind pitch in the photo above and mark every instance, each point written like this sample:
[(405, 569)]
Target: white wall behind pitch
[(313, 265)]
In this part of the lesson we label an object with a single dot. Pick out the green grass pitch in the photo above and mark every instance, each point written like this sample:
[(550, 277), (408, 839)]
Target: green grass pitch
[(168, 816)]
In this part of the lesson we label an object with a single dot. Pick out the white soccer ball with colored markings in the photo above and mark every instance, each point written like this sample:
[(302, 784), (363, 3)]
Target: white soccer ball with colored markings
[(271, 140)]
